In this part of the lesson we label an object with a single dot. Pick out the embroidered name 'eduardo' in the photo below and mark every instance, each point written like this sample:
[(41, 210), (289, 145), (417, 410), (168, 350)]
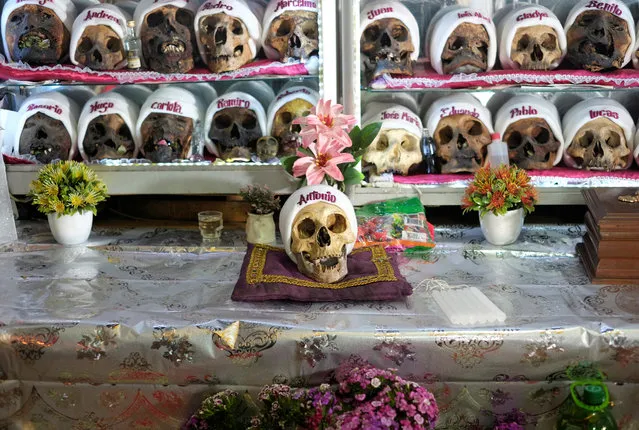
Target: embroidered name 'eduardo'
[(450, 111), (314, 195)]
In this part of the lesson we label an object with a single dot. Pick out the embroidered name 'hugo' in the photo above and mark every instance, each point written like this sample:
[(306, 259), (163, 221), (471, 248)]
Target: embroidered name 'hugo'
[(603, 112), (174, 107), (101, 107), (315, 195), (54, 108)]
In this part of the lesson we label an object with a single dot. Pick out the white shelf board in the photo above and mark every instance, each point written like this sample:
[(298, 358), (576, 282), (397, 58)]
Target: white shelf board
[(170, 179)]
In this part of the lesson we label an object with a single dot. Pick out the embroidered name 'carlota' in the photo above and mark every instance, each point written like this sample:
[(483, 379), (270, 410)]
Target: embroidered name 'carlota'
[(315, 195)]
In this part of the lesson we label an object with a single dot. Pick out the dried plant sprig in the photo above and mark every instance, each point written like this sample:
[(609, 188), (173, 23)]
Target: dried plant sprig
[(262, 200)]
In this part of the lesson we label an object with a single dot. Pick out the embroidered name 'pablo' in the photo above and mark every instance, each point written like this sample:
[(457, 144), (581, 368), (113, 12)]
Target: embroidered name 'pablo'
[(524, 110)]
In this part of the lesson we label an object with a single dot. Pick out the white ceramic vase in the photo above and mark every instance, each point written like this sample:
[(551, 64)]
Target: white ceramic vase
[(502, 229), (71, 229), (260, 228)]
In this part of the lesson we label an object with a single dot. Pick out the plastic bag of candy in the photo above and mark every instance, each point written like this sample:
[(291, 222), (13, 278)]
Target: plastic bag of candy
[(399, 224)]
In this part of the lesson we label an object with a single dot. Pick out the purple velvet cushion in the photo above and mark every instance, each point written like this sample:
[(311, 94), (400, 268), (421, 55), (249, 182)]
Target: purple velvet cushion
[(268, 274)]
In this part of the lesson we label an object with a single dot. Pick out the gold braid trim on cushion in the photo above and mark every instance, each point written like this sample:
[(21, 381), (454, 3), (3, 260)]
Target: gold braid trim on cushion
[(255, 270)]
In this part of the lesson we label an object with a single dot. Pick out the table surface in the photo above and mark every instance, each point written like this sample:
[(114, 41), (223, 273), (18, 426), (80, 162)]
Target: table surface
[(126, 331)]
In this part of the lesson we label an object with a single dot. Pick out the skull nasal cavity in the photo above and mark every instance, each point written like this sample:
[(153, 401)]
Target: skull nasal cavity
[(386, 40), (220, 36), (598, 152), (323, 237), (41, 134), (537, 54), (296, 128), (97, 57), (461, 141), (295, 41), (235, 132)]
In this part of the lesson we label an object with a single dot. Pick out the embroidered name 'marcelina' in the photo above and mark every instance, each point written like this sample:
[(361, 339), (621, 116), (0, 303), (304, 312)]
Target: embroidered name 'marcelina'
[(314, 195), (295, 3)]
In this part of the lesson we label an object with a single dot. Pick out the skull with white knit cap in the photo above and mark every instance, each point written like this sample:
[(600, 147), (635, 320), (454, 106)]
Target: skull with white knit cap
[(599, 134), (462, 129), (37, 32), (166, 124), (389, 42), (290, 30)]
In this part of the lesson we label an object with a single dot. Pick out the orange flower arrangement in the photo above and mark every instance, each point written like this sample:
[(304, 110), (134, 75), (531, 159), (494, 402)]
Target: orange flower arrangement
[(499, 190)]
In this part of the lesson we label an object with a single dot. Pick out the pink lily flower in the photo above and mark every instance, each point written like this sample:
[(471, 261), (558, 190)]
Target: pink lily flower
[(326, 119), (326, 157)]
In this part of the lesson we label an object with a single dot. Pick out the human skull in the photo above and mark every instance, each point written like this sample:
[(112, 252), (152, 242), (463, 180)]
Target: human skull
[(225, 40), (394, 151), (387, 46), (45, 138), (267, 147), (167, 40), (535, 48), (294, 35), (598, 41), (466, 49), (166, 137), (284, 130), (108, 137), (100, 48), (599, 144), (461, 143), (36, 35), (235, 132), (320, 235), (531, 144)]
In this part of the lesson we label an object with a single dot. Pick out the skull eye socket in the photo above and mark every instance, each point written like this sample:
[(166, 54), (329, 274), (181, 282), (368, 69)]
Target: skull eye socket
[(223, 121), (408, 145), (306, 228), (236, 27), (98, 129), (549, 41), (586, 20), (183, 17), (457, 43), (446, 135), (586, 139), (541, 135), (155, 19), (309, 28), (474, 128), (285, 117), (523, 43), (124, 132), (85, 45), (382, 143), (514, 140), (284, 28), (15, 19), (336, 223), (249, 121), (371, 34), (46, 16), (614, 140), (114, 44), (399, 33)]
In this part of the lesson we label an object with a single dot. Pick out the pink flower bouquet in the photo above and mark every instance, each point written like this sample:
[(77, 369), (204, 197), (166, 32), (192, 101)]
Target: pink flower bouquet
[(332, 147)]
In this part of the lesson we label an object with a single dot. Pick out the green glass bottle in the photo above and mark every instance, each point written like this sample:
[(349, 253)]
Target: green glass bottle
[(587, 408)]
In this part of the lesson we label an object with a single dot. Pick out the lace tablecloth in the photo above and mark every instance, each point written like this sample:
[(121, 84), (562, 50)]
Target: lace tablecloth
[(125, 332)]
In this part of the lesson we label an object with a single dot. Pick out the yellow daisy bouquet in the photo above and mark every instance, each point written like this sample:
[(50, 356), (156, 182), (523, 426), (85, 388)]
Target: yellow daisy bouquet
[(66, 188)]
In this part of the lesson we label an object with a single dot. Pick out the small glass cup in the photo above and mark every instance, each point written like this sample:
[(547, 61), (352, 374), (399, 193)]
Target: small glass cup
[(211, 224)]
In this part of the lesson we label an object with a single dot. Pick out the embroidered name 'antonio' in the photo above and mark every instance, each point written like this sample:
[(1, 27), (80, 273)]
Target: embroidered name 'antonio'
[(174, 107), (54, 108), (450, 111), (229, 103), (282, 4), (314, 195), (101, 107), (524, 110), (603, 112), (606, 7)]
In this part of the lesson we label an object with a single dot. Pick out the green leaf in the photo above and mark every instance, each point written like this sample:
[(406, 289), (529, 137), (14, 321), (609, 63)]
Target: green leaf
[(352, 176), (287, 163), (366, 137), (355, 134)]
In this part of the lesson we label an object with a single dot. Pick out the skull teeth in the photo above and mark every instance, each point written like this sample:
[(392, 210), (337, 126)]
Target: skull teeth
[(37, 152), (173, 48)]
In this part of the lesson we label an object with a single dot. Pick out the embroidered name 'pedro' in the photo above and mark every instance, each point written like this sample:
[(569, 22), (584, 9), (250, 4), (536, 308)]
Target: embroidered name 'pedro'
[(315, 195), (218, 5)]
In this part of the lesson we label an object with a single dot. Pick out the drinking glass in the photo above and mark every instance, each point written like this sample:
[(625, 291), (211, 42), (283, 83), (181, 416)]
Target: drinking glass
[(211, 225)]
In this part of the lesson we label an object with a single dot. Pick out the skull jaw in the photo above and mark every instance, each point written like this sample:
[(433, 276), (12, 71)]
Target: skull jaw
[(464, 63), (386, 63), (599, 163), (589, 56), (224, 63), (38, 47), (530, 164), (267, 148), (462, 163), (108, 153), (333, 270), (236, 153), (44, 152)]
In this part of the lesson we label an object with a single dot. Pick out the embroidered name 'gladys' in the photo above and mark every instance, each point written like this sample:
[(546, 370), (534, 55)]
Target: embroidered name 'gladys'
[(174, 107), (102, 15), (524, 110), (101, 107), (605, 113), (450, 111), (282, 4), (288, 93), (54, 108), (376, 12), (606, 7), (532, 15), (315, 195), (229, 103), (218, 5), (473, 14)]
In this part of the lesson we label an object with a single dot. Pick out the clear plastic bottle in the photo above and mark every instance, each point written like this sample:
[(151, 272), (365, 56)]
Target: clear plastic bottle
[(587, 408), (133, 47), (428, 151), (497, 151)]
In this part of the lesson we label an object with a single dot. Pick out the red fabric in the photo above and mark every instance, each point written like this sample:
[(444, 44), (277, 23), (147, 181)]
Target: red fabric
[(69, 73), (8, 159), (557, 172)]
